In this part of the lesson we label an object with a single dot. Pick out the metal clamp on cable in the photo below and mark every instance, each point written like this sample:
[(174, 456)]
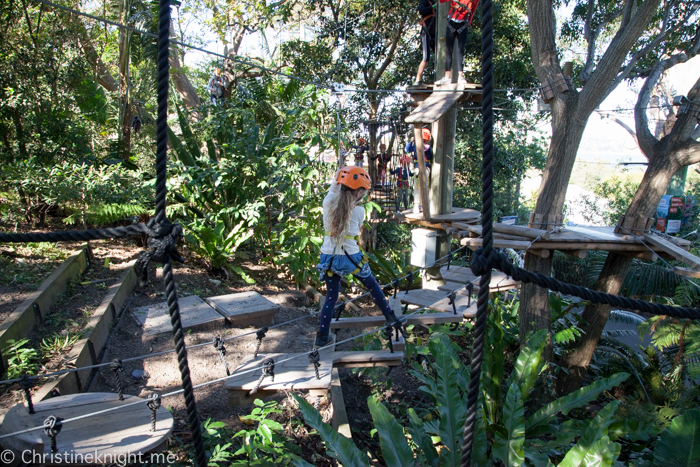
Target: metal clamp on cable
[(470, 289), (315, 360), (153, 403), (451, 297), (337, 88), (260, 335), (268, 369), (52, 427), (389, 334), (118, 368), (409, 281), (339, 309), (219, 345), (26, 384)]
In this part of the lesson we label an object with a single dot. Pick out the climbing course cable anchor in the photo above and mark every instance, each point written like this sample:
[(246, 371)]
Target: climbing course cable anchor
[(449, 259), (52, 427), (389, 334), (26, 384), (260, 335), (337, 88), (153, 404), (339, 309), (219, 345), (315, 360), (452, 296), (409, 281), (268, 369), (396, 284), (118, 368)]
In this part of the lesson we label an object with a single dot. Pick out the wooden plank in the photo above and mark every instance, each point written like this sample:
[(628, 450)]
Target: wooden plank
[(645, 255), (686, 272), (376, 321), (422, 172), (580, 254), (459, 274), (673, 250), (601, 234), (20, 420), (421, 297), (111, 435), (435, 106), (500, 243), (451, 286), (521, 230), (462, 215), (499, 280), (339, 419)]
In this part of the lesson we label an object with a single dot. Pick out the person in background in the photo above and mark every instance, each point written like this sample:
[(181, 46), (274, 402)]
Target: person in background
[(383, 160), (216, 86), (360, 152), (459, 17), (403, 175), (340, 253), (427, 149), (426, 8)]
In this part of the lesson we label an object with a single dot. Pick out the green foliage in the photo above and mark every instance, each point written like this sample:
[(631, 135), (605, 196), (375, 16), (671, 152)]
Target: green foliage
[(20, 359), (58, 343), (613, 196), (395, 449), (679, 444), (345, 450)]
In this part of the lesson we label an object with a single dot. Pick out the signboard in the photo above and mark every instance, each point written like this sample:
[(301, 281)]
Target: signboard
[(508, 220)]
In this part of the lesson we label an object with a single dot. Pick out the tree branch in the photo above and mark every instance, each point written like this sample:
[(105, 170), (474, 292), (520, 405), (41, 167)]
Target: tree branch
[(615, 119), (390, 54), (613, 57)]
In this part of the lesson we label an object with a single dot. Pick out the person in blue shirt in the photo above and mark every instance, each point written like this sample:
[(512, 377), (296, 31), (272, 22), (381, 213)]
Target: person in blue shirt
[(403, 175), (427, 150)]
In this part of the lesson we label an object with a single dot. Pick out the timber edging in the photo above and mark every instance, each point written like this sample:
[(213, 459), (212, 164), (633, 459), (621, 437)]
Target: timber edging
[(32, 311), (88, 350)]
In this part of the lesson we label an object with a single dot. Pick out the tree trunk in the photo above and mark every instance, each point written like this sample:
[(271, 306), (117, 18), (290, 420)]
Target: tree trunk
[(613, 274), (102, 75), (182, 84), (566, 137)]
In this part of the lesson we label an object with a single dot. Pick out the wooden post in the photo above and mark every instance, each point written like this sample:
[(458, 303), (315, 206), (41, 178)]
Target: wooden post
[(440, 30), (423, 176)]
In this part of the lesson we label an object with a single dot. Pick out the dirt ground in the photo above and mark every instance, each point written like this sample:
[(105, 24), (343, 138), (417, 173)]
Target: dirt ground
[(162, 375)]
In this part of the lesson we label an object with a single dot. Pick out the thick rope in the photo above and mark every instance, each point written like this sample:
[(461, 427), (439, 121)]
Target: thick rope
[(160, 219), (487, 224)]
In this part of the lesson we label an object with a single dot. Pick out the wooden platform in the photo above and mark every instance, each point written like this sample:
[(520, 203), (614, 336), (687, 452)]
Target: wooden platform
[(299, 374), (438, 300), (113, 435), (195, 314), (576, 240), (499, 281), (245, 308), (440, 221), (440, 100)]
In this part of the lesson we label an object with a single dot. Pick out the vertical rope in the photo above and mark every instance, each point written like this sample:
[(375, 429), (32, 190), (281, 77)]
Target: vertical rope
[(161, 191), (487, 224)]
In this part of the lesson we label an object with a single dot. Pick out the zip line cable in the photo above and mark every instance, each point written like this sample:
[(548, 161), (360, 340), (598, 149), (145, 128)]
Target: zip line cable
[(402, 319), (227, 339)]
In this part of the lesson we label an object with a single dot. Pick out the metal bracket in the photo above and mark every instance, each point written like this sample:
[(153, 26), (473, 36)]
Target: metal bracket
[(337, 88)]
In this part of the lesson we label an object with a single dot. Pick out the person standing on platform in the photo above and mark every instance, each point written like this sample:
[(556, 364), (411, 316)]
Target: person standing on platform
[(216, 86), (340, 253), (459, 17), (403, 175), (426, 8)]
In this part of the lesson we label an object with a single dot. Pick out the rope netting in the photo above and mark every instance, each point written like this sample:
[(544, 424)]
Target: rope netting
[(163, 236)]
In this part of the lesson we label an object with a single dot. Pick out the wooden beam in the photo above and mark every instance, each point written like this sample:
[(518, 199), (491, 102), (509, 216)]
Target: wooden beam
[(580, 254), (686, 272), (645, 255), (422, 172), (541, 253), (499, 243), (673, 250), (339, 419), (521, 230)]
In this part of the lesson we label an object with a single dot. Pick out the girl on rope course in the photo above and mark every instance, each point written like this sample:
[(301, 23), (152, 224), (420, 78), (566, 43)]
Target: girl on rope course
[(426, 8), (360, 152), (216, 86), (427, 150), (459, 17), (382, 163), (340, 253)]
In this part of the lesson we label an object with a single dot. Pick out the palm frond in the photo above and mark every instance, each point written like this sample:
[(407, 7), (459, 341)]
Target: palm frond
[(620, 332), (626, 317)]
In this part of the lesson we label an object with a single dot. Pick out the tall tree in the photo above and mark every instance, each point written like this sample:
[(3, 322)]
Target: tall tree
[(620, 38), (666, 153)]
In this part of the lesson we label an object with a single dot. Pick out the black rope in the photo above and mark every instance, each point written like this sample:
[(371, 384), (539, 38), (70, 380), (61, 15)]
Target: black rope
[(315, 360), (26, 384), (389, 334), (153, 404), (409, 281), (451, 297), (219, 345), (268, 369), (160, 219), (52, 427), (487, 227), (117, 368), (259, 335)]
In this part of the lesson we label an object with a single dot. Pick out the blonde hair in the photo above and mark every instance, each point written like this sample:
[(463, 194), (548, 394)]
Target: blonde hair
[(341, 208)]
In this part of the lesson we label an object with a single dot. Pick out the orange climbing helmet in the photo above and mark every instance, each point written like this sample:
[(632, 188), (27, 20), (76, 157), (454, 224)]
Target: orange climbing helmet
[(217, 71), (426, 134), (361, 140), (354, 177)]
